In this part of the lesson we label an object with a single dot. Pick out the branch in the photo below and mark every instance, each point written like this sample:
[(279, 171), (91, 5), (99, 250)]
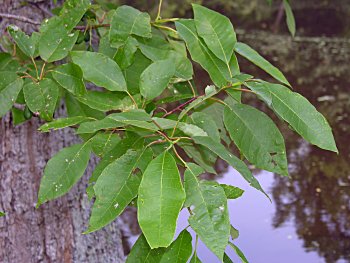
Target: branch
[(179, 107), (20, 18)]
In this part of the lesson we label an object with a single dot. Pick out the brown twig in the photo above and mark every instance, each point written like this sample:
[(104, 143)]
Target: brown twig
[(20, 18), (179, 107)]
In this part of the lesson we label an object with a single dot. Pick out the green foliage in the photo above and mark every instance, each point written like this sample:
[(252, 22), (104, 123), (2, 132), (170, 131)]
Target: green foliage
[(120, 101)]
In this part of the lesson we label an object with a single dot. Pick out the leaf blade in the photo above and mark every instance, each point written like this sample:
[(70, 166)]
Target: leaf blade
[(253, 56), (158, 210), (298, 112)]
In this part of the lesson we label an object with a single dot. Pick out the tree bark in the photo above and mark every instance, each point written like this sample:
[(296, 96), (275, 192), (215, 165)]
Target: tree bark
[(53, 232)]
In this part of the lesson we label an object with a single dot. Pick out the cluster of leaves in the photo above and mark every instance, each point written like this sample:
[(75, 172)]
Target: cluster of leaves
[(141, 67)]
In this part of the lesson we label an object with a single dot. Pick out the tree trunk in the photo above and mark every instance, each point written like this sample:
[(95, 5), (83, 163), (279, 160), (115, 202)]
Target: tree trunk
[(53, 232)]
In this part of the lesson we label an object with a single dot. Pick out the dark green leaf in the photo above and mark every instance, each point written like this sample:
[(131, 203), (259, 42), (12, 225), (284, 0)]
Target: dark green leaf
[(155, 78), (227, 259), (232, 192), (10, 86), (2, 214), (132, 74), (160, 200), (209, 218), (75, 108), (142, 253), (23, 41), (70, 77), (253, 56), (62, 123), (102, 143), (298, 112), (56, 41), (115, 188), (239, 253), (257, 137), (100, 69), (195, 259), (62, 171), (234, 233), (216, 30), (207, 123), (232, 160), (128, 21), (131, 141), (290, 17), (125, 54), (180, 250), (42, 97), (18, 116), (219, 72)]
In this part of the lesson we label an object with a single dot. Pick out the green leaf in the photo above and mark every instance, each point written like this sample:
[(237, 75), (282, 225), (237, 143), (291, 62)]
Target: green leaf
[(289, 17), (219, 72), (56, 41), (160, 200), (7, 63), (70, 77), (206, 122), (239, 253), (62, 123), (226, 259), (142, 253), (232, 192), (253, 56), (10, 86), (210, 91), (155, 78), (234, 233), (104, 101), (17, 116), (102, 143), (189, 129), (2, 214), (132, 74), (131, 141), (196, 153), (126, 54), (257, 137), (298, 112), (62, 171), (216, 30), (180, 250), (41, 97), (209, 218), (115, 188), (195, 259), (157, 48), (232, 160), (100, 69), (128, 21), (75, 108), (137, 118), (216, 111), (23, 41)]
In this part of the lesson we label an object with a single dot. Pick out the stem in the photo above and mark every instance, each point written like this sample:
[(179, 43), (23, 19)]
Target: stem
[(244, 90), (132, 98), (159, 9), (42, 71), (165, 28), (166, 20), (20, 18), (36, 68), (192, 88), (179, 107)]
